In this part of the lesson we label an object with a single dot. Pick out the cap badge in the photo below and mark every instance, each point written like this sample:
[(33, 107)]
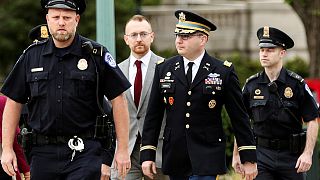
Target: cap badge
[(182, 17), (288, 92), (82, 64), (266, 32), (212, 104), (44, 32)]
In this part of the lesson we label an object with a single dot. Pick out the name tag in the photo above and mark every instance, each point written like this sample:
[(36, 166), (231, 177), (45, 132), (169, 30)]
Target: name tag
[(40, 69)]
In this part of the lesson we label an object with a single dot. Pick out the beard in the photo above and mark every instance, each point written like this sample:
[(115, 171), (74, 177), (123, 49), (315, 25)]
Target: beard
[(62, 37)]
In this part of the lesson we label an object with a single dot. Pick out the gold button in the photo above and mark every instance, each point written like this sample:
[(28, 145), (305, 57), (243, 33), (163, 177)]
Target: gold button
[(213, 92), (188, 103), (189, 92), (187, 115), (187, 126)]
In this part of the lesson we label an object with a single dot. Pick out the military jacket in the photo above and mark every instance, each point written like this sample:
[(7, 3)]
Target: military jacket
[(194, 140), (59, 86), (278, 114)]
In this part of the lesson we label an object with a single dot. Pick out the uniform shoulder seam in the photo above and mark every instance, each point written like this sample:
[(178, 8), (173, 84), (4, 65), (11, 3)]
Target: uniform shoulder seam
[(295, 76), (37, 43), (252, 77)]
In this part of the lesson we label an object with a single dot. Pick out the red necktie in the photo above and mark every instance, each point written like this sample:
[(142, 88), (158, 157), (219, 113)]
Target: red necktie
[(137, 83)]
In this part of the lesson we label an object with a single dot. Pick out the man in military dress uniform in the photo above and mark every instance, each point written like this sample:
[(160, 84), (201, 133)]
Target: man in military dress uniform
[(279, 101), (58, 79), (192, 88)]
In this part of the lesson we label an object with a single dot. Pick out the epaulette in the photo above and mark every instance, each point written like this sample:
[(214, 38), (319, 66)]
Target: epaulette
[(36, 43), (253, 77), (98, 51), (161, 61), (295, 76), (227, 63)]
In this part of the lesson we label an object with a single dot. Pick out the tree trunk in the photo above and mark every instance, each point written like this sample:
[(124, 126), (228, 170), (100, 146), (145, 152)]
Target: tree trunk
[(309, 12)]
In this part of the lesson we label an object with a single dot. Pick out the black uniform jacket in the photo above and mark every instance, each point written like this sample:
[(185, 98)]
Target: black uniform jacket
[(194, 141), (278, 115)]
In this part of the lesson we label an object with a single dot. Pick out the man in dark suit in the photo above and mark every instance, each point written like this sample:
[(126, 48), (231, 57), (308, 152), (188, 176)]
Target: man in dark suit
[(192, 88)]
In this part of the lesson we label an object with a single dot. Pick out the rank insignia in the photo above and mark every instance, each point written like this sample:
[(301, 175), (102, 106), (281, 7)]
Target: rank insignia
[(227, 63), (82, 64), (257, 92), (288, 92), (212, 104), (171, 100), (182, 17)]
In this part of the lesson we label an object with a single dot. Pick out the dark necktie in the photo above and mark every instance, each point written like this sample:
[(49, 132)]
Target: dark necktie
[(189, 73), (137, 83)]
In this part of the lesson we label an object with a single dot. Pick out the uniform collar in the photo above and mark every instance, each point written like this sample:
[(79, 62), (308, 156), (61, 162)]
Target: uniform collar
[(281, 78), (75, 46)]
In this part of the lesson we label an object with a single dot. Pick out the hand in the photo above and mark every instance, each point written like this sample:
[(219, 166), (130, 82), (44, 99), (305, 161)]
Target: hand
[(105, 172), (250, 170), (26, 175), (122, 163), (236, 164), (9, 162), (149, 169), (304, 162)]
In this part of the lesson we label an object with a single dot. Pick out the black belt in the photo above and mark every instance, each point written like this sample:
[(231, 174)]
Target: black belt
[(39, 139), (275, 144)]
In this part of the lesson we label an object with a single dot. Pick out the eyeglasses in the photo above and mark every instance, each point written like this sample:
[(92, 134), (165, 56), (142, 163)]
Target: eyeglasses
[(186, 36), (141, 34)]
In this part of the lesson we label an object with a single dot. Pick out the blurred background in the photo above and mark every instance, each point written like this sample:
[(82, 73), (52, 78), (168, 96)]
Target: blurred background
[(235, 39)]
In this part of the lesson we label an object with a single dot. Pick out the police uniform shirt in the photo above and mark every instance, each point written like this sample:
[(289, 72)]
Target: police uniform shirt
[(195, 66), (193, 140), (271, 119), (61, 88)]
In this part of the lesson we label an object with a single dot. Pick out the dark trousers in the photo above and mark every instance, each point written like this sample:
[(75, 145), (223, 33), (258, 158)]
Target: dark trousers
[(193, 177), (4, 175), (277, 165), (53, 162)]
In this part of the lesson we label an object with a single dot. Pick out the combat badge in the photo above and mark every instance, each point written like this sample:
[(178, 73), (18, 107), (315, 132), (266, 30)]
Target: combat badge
[(212, 104), (82, 64), (257, 92), (171, 100), (288, 92)]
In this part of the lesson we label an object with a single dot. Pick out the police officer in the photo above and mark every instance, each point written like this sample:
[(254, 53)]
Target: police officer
[(192, 88), (58, 79), (279, 101)]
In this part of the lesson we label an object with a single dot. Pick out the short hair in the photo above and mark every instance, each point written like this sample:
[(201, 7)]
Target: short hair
[(139, 18)]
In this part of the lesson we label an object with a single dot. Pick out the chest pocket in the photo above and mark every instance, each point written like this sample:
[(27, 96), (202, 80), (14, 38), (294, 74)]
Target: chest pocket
[(167, 88), (38, 82), (209, 89), (84, 84), (256, 107)]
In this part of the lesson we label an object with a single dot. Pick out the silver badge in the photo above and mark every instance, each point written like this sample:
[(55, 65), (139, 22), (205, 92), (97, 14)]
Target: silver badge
[(82, 64)]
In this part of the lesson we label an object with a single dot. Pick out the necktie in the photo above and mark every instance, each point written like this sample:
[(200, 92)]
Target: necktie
[(137, 83), (189, 73)]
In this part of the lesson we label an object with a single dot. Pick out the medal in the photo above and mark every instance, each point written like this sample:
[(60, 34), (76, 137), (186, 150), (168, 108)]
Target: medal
[(82, 64), (212, 104)]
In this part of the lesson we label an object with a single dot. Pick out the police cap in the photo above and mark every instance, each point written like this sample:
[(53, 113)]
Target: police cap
[(77, 5), (190, 23), (272, 37), (39, 33)]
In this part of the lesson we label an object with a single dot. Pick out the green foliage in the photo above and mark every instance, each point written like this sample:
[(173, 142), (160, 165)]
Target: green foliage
[(298, 65)]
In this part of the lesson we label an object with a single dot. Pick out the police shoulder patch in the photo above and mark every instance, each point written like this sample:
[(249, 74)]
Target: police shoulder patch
[(253, 77), (227, 63), (161, 61), (295, 76), (109, 60)]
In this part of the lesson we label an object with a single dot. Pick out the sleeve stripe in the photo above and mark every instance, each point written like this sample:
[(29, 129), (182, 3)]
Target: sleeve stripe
[(246, 148), (148, 147)]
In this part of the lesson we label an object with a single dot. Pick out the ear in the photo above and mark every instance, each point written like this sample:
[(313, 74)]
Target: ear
[(78, 19), (126, 39), (283, 52), (152, 35)]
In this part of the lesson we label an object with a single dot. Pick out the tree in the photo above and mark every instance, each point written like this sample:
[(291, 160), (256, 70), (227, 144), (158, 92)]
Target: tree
[(309, 13)]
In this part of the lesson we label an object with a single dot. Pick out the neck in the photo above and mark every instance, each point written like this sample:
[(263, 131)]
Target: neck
[(273, 73), (63, 44), (139, 56)]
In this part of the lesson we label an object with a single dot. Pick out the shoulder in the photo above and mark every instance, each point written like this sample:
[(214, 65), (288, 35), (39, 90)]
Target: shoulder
[(253, 77), (96, 48), (34, 45), (295, 76)]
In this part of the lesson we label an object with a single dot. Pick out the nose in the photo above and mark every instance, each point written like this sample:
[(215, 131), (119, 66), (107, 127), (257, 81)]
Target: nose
[(139, 37), (61, 22)]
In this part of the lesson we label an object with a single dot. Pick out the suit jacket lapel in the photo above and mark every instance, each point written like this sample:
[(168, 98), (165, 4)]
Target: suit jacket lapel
[(148, 79), (205, 68), (125, 71), (179, 72)]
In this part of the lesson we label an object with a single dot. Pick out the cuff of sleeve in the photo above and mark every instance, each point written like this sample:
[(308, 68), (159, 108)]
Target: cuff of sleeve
[(147, 153), (247, 154), (107, 156)]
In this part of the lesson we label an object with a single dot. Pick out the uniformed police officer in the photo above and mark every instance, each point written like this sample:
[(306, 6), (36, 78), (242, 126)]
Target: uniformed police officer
[(192, 88), (279, 101), (58, 78)]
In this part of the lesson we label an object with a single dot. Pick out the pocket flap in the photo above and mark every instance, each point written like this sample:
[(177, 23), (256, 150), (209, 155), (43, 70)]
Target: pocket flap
[(37, 76)]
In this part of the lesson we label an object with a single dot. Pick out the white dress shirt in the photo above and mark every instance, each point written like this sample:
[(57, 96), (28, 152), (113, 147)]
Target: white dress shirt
[(195, 66)]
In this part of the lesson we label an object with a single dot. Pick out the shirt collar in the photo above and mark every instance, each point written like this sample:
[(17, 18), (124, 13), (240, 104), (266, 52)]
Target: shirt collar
[(75, 46), (145, 59), (281, 78), (197, 61)]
